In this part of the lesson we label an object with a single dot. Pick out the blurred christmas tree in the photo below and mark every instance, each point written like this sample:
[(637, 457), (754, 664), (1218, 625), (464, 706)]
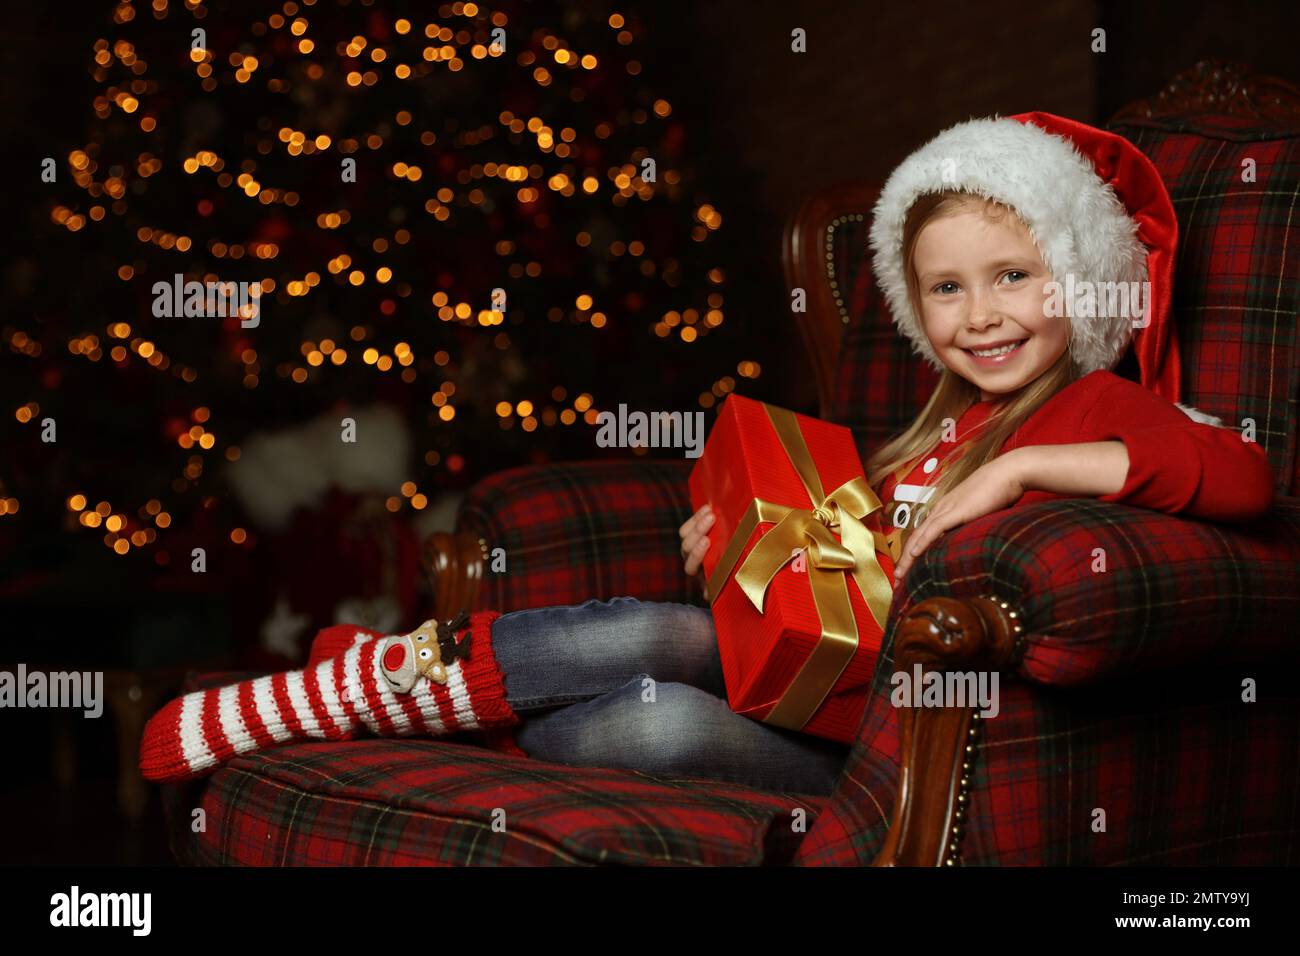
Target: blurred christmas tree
[(483, 216)]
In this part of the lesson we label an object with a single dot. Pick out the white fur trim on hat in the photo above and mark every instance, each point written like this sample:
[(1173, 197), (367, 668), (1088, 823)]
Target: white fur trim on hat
[(1077, 222)]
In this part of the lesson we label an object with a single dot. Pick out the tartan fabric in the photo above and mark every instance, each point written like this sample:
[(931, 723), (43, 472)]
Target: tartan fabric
[(574, 531), (1236, 279), (381, 802), (1174, 591), (1185, 771)]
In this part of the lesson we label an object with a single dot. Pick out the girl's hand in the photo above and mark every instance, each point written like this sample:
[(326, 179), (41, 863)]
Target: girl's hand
[(994, 485), (695, 542)]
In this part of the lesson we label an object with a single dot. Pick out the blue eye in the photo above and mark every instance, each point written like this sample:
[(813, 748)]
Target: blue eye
[(1014, 272)]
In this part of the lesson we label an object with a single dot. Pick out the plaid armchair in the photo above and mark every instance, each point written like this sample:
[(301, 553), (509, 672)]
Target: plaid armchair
[(1123, 736)]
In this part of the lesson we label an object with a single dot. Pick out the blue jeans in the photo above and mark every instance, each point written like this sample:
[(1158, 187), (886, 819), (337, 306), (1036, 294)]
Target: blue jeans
[(638, 685)]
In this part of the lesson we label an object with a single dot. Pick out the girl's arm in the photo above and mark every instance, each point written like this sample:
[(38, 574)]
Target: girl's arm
[(1088, 469), (1174, 464)]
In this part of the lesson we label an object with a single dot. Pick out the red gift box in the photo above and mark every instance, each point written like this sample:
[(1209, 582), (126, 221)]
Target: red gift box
[(799, 573)]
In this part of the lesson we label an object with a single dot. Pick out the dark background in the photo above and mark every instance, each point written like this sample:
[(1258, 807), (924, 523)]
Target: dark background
[(762, 128)]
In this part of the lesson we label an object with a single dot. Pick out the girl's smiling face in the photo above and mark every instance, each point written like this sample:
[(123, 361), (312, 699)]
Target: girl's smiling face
[(983, 284)]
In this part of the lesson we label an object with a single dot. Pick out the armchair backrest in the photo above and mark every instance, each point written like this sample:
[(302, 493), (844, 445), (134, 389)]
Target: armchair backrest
[(1228, 147)]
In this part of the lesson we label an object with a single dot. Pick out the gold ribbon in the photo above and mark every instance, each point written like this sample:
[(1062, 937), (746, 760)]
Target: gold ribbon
[(810, 529)]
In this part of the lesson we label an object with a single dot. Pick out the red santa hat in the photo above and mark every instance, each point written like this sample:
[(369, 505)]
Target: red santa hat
[(1095, 206)]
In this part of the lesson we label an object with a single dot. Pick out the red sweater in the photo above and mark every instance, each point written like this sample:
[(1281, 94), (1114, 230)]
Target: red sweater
[(1176, 465)]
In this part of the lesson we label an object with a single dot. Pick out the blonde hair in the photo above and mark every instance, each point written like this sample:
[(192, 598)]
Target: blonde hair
[(954, 394)]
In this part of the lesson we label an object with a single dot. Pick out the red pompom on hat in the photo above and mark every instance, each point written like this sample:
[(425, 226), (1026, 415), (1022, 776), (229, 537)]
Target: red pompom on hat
[(1097, 210)]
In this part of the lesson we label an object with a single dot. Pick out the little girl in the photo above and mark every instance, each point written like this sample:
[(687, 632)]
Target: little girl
[(969, 235)]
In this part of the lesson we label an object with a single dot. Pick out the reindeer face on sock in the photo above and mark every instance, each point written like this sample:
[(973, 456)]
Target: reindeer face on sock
[(426, 652)]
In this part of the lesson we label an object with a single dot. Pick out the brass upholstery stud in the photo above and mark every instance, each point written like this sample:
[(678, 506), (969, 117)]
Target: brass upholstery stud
[(830, 262), (957, 828), (1017, 625)]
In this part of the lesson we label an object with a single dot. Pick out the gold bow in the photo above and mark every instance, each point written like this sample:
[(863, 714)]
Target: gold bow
[(809, 529)]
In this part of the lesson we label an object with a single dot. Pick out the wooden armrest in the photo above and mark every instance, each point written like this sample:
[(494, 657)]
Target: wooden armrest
[(454, 564), (938, 745)]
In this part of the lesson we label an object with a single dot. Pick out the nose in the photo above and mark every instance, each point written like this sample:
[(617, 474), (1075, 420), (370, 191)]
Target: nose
[(983, 313), (982, 318), (394, 656)]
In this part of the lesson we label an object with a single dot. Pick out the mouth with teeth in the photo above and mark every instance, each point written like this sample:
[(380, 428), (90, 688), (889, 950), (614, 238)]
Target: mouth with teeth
[(995, 356)]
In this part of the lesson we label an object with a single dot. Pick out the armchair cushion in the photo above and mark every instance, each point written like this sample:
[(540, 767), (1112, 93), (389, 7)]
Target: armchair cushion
[(1106, 591), (574, 531), (377, 802)]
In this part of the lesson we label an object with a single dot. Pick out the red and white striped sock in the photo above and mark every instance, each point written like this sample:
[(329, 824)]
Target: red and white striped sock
[(330, 700), (336, 640)]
